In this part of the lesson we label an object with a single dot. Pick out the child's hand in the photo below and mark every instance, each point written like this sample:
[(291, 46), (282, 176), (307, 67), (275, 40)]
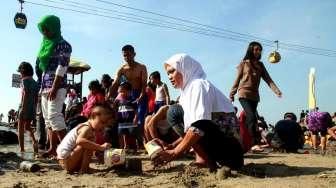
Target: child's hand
[(105, 146), (138, 100)]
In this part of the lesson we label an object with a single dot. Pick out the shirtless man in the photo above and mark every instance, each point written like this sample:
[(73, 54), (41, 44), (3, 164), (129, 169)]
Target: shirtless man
[(132, 71), (136, 74)]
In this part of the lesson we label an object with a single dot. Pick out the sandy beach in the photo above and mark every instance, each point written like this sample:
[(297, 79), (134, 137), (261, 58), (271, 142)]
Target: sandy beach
[(266, 169), (261, 170), (177, 93)]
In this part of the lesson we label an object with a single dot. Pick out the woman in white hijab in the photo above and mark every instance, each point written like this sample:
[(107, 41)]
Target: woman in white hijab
[(214, 142)]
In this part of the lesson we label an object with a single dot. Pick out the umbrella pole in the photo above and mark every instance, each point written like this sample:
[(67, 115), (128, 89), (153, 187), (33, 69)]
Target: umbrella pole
[(81, 85)]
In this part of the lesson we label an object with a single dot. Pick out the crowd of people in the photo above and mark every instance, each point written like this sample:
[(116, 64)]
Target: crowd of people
[(134, 108)]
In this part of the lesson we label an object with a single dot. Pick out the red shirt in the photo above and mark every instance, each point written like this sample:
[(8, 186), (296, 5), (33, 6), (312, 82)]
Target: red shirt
[(92, 100), (151, 100)]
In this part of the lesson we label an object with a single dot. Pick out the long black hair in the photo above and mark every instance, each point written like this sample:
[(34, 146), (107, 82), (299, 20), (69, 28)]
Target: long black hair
[(249, 52), (152, 86), (26, 69)]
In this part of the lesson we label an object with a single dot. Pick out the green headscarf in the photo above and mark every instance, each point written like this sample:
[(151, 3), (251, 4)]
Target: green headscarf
[(53, 25)]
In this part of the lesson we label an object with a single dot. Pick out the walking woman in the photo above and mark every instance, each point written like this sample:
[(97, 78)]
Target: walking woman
[(250, 72)]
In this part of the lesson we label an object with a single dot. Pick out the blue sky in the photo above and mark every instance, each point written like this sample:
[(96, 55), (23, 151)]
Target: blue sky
[(98, 41)]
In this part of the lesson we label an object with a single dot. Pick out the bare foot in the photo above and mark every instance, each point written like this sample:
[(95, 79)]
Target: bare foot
[(49, 155), (257, 148), (323, 152)]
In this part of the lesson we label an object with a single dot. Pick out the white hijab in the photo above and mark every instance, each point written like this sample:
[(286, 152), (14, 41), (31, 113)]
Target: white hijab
[(187, 66), (199, 98)]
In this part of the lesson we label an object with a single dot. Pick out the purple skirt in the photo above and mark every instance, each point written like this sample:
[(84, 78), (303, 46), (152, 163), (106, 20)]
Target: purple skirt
[(318, 121)]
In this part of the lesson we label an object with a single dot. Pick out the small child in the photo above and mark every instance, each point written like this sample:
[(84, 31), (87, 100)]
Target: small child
[(127, 116), (76, 149), (72, 100), (161, 91), (150, 92), (27, 108), (95, 96), (332, 132)]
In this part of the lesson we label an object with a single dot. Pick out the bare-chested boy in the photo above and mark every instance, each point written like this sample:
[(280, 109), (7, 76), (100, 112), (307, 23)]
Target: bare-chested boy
[(166, 125), (136, 74)]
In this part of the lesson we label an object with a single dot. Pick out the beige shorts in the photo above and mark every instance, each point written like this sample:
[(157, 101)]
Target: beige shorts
[(52, 110)]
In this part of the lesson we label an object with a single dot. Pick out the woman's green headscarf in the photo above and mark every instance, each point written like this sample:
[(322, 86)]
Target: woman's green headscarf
[(52, 24)]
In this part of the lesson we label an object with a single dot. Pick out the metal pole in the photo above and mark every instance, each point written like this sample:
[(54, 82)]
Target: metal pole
[(21, 4), (81, 84)]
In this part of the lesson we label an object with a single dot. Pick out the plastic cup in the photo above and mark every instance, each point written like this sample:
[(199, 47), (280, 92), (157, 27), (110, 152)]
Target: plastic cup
[(114, 157), (153, 149)]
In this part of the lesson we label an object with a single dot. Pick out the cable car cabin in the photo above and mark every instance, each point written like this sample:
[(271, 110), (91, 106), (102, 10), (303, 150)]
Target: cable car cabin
[(20, 20), (76, 68)]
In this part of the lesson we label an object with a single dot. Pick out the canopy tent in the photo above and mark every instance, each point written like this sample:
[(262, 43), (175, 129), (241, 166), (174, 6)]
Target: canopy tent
[(77, 67)]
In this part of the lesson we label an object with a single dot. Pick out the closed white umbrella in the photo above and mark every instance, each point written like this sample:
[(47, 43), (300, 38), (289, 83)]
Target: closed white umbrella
[(311, 90)]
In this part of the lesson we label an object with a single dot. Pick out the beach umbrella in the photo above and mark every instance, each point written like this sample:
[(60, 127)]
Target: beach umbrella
[(311, 90), (77, 66)]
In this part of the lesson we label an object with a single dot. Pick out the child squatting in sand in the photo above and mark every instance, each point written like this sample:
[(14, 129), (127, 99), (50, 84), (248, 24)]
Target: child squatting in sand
[(76, 149)]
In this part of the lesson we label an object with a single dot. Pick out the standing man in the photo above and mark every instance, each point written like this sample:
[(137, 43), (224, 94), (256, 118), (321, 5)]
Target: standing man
[(106, 82), (136, 74), (40, 124), (110, 132), (54, 57), (11, 116)]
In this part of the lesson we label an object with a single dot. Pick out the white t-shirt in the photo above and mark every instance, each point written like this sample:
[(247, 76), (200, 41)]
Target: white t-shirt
[(68, 143), (160, 94), (199, 99)]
